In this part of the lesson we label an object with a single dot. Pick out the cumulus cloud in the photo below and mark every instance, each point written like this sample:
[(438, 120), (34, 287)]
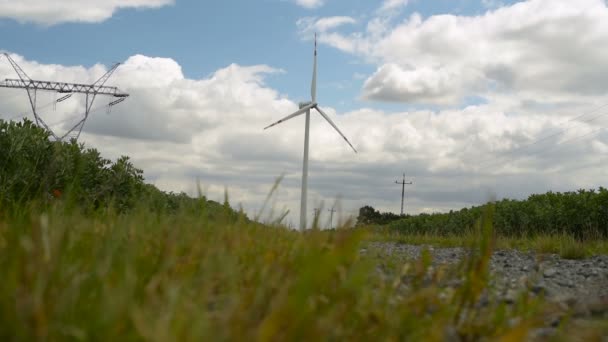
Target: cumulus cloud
[(308, 25), (61, 11), (492, 3), (310, 3), (531, 49), (392, 5), (180, 130), (531, 64), (392, 83)]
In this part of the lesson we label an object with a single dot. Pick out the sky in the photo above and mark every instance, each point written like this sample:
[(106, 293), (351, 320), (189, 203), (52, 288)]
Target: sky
[(471, 99)]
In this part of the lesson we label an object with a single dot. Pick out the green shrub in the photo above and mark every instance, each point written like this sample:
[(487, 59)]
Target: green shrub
[(582, 215), (186, 277), (37, 171)]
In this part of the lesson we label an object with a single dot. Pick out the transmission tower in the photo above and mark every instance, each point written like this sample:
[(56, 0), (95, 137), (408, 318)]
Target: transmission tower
[(403, 184), (90, 90)]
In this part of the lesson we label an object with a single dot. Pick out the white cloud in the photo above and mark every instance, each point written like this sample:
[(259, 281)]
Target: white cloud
[(393, 5), (310, 3), (179, 130), (492, 3), (393, 83), (548, 49), (309, 25), (527, 65), (329, 23), (61, 11)]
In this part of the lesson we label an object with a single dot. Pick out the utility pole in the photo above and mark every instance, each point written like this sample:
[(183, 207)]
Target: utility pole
[(317, 212), (331, 217), (403, 184), (315, 220)]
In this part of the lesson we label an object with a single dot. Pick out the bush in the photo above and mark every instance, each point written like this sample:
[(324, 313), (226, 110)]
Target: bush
[(34, 169), (582, 215)]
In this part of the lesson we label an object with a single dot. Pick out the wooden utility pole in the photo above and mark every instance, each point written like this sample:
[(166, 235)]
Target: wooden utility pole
[(403, 184), (331, 217)]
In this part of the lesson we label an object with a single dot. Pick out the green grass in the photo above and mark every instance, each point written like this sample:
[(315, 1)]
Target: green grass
[(140, 276), (564, 245), (79, 260)]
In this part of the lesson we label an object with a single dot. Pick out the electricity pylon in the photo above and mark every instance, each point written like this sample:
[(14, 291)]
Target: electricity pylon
[(403, 184), (90, 90)]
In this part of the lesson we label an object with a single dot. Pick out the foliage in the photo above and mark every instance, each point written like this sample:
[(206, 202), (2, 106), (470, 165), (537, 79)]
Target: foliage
[(368, 215), (183, 277), (140, 264), (565, 246), (582, 215), (35, 169)]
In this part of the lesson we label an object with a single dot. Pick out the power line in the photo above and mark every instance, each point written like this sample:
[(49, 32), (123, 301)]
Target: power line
[(94, 110), (24, 114), (545, 138), (564, 142), (573, 139), (550, 147), (499, 159)]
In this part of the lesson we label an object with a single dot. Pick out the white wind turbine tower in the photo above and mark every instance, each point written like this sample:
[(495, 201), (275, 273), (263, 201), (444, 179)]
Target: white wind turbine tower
[(305, 108)]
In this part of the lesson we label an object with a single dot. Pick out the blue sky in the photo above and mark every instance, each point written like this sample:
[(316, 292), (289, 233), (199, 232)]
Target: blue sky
[(203, 36), (436, 89)]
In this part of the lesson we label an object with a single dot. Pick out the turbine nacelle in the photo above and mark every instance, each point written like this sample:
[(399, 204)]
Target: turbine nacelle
[(306, 107), (304, 104)]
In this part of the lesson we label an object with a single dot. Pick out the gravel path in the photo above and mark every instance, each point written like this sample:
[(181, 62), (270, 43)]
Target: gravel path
[(580, 284)]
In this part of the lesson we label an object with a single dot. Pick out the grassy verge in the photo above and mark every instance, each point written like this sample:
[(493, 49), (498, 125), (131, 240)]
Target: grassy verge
[(564, 245), (137, 276)]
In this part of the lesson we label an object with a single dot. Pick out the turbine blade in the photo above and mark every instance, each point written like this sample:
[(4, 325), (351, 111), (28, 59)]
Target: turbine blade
[(334, 125), (313, 86), (299, 112)]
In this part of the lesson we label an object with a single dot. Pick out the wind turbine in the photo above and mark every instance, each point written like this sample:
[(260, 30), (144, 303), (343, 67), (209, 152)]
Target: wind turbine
[(305, 108)]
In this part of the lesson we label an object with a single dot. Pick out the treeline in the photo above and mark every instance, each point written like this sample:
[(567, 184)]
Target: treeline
[(34, 169), (370, 216), (582, 214)]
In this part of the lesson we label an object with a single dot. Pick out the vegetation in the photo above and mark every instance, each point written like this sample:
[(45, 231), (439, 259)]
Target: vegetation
[(110, 258), (33, 166), (34, 169), (563, 245), (370, 216), (136, 276), (582, 215)]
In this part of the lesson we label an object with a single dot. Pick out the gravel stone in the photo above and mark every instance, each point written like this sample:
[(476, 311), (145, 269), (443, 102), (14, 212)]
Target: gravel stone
[(580, 284), (510, 297), (542, 333), (539, 289), (550, 272)]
